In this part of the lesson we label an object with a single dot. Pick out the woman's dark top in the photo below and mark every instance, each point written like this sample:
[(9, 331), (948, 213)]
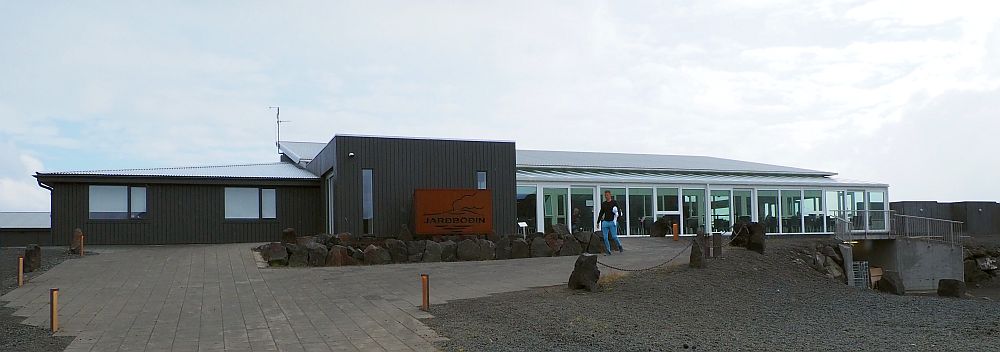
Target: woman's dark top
[(607, 214)]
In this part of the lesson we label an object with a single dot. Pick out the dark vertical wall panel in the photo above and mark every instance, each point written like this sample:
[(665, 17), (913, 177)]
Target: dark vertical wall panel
[(183, 213), (401, 165)]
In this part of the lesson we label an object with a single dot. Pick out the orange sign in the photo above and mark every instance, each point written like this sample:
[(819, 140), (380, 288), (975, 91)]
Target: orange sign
[(453, 211)]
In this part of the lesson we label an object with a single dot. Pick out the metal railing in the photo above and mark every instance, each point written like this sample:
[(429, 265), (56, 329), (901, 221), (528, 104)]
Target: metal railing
[(879, 224)]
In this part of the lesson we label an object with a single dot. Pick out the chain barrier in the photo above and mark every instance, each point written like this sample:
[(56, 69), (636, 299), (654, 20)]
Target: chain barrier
[(682, 251)]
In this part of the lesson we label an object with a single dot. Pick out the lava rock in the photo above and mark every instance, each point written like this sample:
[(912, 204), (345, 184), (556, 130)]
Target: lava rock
[(415, 249), (585, 273), (973, 274), (487, 249), (519, 249), (583, 237), (468, 249), (305, 240), (571, 247), (324, 239), (274, 254), (951, 288), (697, 258), (756, 240), (345, 239), (32, 258), (340, 256), (297, 255), (317, 254), (503, 248), (830, 252), (596, 244), (397, 250), (404, 233), (540, 248), (432, 252), (554, 241), (660, 228), (375, 255), (834, 269), (288, 236), (560, 229), (357, 254), (449, 251), (891, 283)]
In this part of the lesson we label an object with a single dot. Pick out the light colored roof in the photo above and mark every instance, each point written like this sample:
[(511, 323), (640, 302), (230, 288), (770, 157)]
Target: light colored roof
[(661, 177), (276, 170), (301, 152), (24, 220), (675, 163)]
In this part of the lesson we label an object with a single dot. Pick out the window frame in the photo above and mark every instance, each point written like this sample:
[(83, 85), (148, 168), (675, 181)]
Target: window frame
[(129, 214), (486, 178), (260, 205)]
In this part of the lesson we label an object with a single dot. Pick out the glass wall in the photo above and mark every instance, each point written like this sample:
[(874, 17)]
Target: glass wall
[(640, 210), (693, 206), (581, 202), (554, 207), (618, 194), (527, 203), (742, 206), (812, 209), (721, 211), (834, 209), (666, 199), (767, 210), (791, 211), (854, 205), (876, 211)]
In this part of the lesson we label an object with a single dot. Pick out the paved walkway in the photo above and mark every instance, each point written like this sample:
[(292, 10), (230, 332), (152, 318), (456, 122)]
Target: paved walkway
[(215, 298)]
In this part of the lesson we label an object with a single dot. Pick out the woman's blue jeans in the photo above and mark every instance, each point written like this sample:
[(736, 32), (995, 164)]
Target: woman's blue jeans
[(610, 227)]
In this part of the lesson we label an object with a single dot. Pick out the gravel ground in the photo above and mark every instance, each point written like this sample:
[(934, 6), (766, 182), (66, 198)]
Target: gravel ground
[(15, 336), (743, 301)]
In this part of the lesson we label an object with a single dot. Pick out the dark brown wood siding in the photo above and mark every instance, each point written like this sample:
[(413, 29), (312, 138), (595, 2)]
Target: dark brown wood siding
[(183, 213), (400, 165)]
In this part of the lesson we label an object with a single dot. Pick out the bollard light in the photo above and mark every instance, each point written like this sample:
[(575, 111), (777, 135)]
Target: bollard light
[(54, 309), (20, 271), (425, 281)]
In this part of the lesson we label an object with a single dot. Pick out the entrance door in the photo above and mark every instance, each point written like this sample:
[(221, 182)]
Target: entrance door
[(582, 209)]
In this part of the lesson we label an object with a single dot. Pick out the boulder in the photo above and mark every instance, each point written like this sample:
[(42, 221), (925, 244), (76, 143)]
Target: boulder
[(571, 247), (397, 250), (288, 236), (973, 274), (468, 249), (415, 249), (404, 233), (583, 237), (595, 245), (340, 256), (519, 249), (891, 283), (834, 269), (32, 258), (756, 240), (375, 255), (324, 239), (449, 251), (540, 248), (487, 249), (297, 255), (503, 247), (357, 254), (493, 236), (560, 229), (432, 252), (345, 239), (317, 254), (832, 253), (76, 242), (951, 288), (660, 228), (819, 262), (585, 273), (697, 259), (554, 241), (274, 254), (305, 240)]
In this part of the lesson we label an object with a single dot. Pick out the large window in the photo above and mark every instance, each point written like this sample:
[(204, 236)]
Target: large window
[(527, 204), (721, 211), (367, 201), (582, 203), (791, 211), (618, 194), (480, 179), (554, 206), (876, 210), (117, 202), (742, 206), (694, 210), (834, 209), (250, 203), (666, 199), (812, 209), (767, 210), (640, 210), (854, 205)]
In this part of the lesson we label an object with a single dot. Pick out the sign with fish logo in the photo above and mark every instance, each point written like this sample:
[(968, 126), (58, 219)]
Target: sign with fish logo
[(453, 211)]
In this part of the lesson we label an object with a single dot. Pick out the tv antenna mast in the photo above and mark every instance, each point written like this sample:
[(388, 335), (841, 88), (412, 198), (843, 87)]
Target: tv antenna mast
[(277, 121)]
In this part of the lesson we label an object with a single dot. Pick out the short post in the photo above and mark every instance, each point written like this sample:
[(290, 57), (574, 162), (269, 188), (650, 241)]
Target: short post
[(425, 281), (20, 271), (54, 308), (677, 229), (81, 244)]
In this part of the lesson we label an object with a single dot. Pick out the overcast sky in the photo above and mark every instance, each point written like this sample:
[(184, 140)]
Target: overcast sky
[(901, 92)]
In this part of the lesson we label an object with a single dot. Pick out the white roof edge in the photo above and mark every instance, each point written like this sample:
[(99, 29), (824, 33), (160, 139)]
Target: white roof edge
[(425, 138), (136, 172), (755, 172)]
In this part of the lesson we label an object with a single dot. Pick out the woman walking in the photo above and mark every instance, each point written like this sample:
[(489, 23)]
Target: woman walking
[(608, 221)]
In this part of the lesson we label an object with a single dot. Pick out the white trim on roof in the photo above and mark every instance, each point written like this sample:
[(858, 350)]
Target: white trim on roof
[(275, 170), (659, 177)]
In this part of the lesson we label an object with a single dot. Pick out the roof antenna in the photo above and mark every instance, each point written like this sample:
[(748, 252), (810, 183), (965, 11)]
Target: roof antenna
[(278, 121)]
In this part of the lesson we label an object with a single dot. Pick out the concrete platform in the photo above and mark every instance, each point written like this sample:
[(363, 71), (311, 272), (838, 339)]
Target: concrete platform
[(215, 298)]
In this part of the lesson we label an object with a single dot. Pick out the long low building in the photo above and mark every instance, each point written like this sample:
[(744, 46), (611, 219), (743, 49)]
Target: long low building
[(368, 185)]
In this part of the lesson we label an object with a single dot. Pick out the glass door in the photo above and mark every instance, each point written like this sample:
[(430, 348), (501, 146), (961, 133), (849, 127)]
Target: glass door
[(554, 201), (581, 205), (668, 207), (721, 210)]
